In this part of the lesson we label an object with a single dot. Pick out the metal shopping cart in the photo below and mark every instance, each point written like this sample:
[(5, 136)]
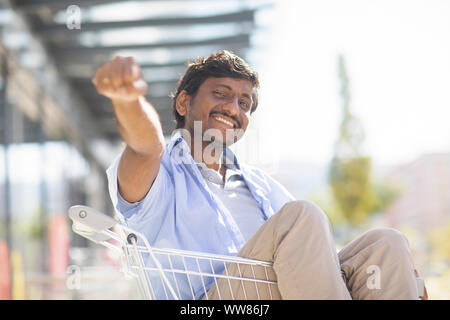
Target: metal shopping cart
[(171, 273)]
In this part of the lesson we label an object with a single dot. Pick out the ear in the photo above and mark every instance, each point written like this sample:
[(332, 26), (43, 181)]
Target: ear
[(182, 103)]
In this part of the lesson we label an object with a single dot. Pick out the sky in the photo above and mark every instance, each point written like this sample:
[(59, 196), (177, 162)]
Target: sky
[(398, 61)]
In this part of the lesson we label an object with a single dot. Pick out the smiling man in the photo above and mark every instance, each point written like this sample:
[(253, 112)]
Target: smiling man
[(194, 194)]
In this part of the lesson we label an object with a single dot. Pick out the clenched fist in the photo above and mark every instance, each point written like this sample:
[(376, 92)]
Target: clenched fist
[(120, 80)]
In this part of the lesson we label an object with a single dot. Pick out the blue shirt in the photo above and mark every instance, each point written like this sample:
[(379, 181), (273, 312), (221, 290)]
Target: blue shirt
[(181, 212), (233, 192)]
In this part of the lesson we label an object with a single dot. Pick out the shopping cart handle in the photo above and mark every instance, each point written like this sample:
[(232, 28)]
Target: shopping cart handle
[(91, 218), (88, 233)]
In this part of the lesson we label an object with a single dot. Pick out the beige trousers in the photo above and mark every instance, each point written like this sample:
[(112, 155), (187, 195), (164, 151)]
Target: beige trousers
[(299, 241)]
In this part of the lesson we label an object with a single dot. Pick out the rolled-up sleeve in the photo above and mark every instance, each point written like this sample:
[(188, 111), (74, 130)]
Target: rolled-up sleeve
[(124, 208)]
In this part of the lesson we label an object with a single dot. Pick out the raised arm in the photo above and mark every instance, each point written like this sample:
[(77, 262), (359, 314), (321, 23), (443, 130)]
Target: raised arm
[(138, 122)]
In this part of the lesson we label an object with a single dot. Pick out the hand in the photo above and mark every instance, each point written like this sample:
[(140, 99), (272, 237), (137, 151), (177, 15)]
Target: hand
[(120, 80)]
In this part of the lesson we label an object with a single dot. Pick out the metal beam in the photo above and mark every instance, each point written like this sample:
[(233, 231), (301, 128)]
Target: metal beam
[(155, 93), (79, 70), (55, 5), (73, 51), (185, 54), (101, 105), (170, 64), (87, 82), (156, 89), (93, 96), (51, 30)]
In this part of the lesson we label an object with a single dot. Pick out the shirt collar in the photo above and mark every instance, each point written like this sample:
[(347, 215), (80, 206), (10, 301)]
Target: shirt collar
[(175, 139)]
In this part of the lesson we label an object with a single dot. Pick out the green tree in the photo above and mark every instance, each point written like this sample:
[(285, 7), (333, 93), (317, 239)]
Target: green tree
[(350, 170)]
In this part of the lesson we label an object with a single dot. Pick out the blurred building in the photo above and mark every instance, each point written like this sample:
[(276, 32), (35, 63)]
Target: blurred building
[(424, 201), (58, 135)]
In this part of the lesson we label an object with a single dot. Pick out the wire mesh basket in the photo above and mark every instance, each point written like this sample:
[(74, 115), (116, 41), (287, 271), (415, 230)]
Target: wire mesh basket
[(176, 274)]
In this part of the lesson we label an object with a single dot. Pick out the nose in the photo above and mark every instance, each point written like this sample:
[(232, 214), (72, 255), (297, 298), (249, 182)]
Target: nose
[(232, 107)]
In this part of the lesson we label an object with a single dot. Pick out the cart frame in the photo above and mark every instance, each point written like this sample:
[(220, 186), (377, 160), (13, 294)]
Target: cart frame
[(169, 267)]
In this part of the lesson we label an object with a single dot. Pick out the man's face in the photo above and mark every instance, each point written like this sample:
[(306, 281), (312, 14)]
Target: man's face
[(223, 106)]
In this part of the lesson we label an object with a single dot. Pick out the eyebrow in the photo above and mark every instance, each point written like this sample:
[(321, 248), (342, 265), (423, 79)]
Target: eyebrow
[(231, 89)]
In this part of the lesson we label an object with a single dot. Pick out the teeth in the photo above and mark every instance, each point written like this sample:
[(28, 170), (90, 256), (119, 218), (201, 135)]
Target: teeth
[(224, 121)]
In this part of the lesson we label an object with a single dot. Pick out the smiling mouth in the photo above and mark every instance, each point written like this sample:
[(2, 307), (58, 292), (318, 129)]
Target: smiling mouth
[(224, 121)]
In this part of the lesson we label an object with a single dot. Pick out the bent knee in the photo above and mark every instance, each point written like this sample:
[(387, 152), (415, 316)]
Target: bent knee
[(392, 237), (306, 210)]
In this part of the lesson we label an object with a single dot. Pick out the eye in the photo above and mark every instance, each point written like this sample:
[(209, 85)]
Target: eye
[(219, 93), (245, 105)]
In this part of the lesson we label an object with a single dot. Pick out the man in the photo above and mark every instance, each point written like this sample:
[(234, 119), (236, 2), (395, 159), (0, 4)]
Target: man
[(193, 193)]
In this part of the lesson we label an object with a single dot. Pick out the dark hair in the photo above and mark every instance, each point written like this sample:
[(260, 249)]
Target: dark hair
[(222, 64)]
